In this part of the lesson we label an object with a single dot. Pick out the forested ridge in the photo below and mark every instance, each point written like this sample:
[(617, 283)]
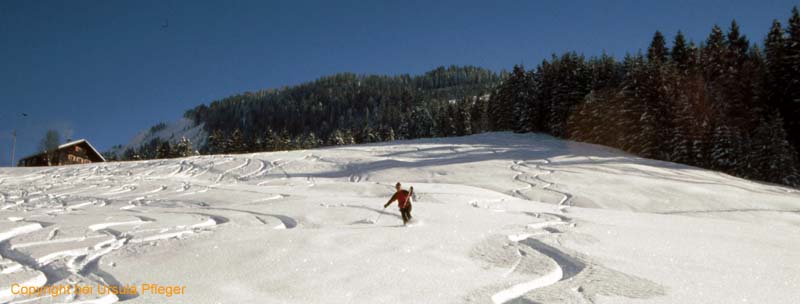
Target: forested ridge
[(724, 103), (366, 108), (340, 109)]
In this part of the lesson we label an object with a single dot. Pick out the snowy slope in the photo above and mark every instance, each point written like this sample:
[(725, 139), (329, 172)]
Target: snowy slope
[(499, 218)]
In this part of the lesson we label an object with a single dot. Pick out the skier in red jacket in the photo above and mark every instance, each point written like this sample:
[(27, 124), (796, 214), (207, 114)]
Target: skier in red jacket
[(403, 198)]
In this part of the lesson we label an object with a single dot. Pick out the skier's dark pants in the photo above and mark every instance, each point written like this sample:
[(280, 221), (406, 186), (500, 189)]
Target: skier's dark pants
[(406, 213)]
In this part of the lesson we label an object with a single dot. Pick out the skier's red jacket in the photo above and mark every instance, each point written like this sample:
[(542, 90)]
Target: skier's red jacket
[(402, 198)]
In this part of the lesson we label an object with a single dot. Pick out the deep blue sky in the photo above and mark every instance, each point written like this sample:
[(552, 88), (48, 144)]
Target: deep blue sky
[(104, 70)]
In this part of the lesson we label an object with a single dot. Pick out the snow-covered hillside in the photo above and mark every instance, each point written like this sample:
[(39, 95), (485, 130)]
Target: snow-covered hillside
[(171, 132), (499, 218)]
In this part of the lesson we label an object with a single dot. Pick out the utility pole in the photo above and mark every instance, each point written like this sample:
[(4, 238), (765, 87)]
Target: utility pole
[(14, 139), (13, 145)]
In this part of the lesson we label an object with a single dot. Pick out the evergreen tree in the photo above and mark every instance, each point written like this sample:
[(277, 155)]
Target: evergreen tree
[(681, 55), (774, 159), (463, 117), (271, 140), (387, 134), (658, 50), (521, 100), (605, 71), (565, 83), (217, 143), (735, 98), (480, 113), (130, 154), (184, 148), (296, 142), (369, 135), (404, 130), (738, 45), (508, 106), (727, 149), (635, 122), (713, 54), (776, 85), (284, 141), (236, 143), (312, 141), (445, 125), (420, 124), (336, 138), (348, 137), (164, 150)]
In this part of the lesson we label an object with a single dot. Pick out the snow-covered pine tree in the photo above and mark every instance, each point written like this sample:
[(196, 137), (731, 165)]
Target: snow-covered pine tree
[(505, 103), (480, 115), (445, 123), (647, 145), (236, 142), (681, 96), (773, 158), (658, 98), (370, 135), (258, 144), (184, 148), (348, 137), (336, 138), (631, 109), (216, 142), (729, 149), (681, 137), (387, 133), (404, 130), (639, 113), (736, 82), (285, 141), (521, 101), (570, 83), (271, 140), (463, 117), (310, 141), (421, 123)]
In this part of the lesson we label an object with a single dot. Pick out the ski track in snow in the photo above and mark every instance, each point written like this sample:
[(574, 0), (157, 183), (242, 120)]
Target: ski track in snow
[(563, 266), (262, 169), (83, 263), (226, 172)]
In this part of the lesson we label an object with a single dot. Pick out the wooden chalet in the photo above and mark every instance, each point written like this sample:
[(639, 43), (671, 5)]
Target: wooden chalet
[(74, 152)]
